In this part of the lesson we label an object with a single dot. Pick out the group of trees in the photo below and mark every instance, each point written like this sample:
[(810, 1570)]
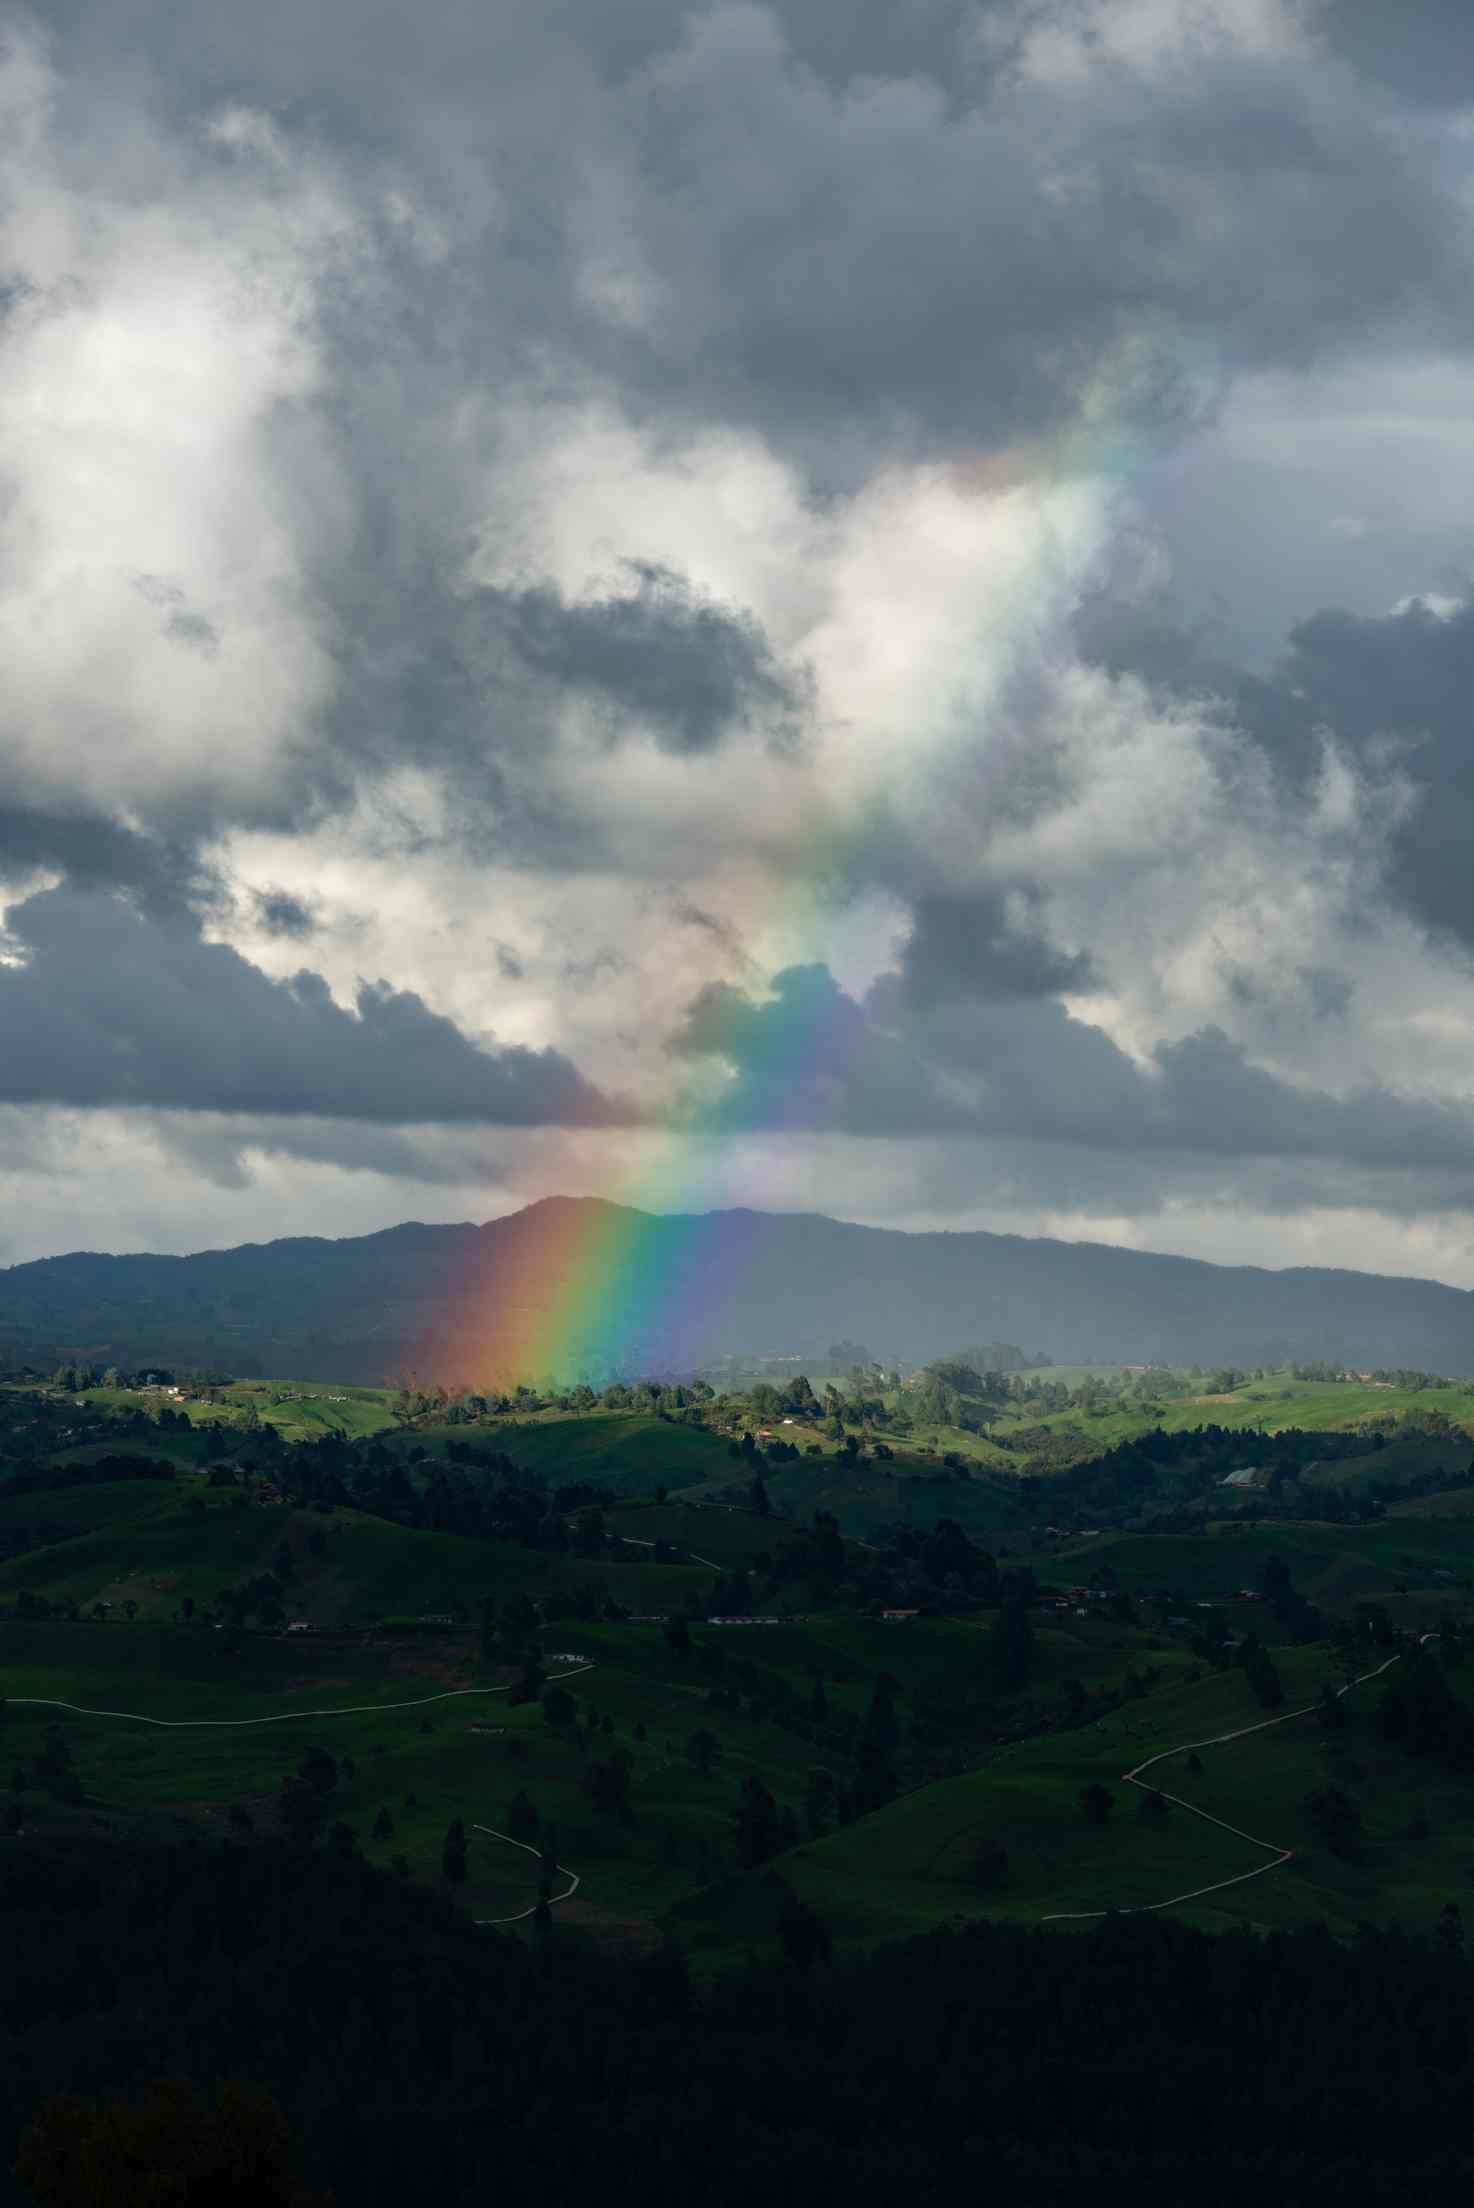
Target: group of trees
[(383, 2051)]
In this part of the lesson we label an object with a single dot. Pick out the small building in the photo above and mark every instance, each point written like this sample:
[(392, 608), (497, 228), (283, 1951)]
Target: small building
[(299, 1625), (896, 1617)]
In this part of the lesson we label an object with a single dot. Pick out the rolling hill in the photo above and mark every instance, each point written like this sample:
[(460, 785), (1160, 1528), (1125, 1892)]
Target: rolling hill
[(380, 1306)]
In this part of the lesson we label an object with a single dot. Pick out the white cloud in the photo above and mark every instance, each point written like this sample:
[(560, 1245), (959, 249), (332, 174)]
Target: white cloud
[(165, 470)]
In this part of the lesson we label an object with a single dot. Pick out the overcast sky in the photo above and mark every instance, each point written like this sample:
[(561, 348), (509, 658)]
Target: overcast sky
[(864, 607)]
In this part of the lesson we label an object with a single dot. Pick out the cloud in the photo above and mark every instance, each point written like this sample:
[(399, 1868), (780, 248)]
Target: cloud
[(106, 1007), (965, 946), (1396, 693), (581, 510), (809, 1056), (1390, 692), (878, 253), (658, 656), (1419, 50), (282, 914)]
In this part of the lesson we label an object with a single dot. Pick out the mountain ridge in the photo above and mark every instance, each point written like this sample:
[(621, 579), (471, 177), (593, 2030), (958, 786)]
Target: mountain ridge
[(377, 1305)]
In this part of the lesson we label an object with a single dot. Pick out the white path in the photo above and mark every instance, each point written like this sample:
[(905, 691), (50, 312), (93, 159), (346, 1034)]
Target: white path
[(522, 1914), (634, 1542), (1277, 1854), (278, 1717)]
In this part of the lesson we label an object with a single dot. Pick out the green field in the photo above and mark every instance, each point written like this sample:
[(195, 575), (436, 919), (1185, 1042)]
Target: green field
[(627, 1451), (347, 1568), (393, 1608), (1270, 1404), (1333, 1565), (909, 1866)]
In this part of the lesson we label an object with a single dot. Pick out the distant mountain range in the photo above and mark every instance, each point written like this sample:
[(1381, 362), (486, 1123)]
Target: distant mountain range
[(379, 1307)]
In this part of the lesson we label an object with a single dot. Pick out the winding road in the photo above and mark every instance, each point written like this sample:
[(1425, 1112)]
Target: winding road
[(522, 1914), (1277, 1854), (277, 1717), (357, 1709)]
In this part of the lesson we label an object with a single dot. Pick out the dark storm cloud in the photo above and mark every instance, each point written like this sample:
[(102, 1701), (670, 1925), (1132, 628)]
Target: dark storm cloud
[(965, 946), (280, 913), (110, 1008), (95, 851), (849, 229), (657, 655), (856, 222), (809, 1056), (1419, 49), (877, 255), (1398, 693), (1394, 692)]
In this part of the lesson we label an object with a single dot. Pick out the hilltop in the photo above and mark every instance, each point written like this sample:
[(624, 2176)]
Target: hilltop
[(369, 1307)]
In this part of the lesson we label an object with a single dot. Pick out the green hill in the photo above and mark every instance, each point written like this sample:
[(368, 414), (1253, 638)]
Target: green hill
[(916, 1863)]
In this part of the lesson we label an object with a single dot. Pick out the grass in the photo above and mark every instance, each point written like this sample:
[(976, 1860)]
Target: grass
[(462, 1758), (1334, 1565), (201, 1543), (629, 1451), (1457, 1503), (909, 1866), (1269, 1405)]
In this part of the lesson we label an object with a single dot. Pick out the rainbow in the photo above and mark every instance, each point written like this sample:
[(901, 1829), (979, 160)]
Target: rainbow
[(585, 1287)]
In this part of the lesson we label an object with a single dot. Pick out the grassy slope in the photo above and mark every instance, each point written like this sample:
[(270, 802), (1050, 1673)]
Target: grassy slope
[(452, 1770), (1457, 1504), (908, 1866), (1314, 1406), (1329, 1564), (628, 1451), (371, 1569)]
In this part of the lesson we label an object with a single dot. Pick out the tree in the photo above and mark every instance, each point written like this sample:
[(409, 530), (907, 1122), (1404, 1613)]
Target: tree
[(1331, 1709), (1153, 1810), (802, 1931), (703, 1748), (1011, 1646), (299, 1806), (230, 2150), (1334, 1818), (1260, 1671), (607, 1785), (453, 1854), (988, 1866), (383, 1825), (678, 1635), (757, 1497), (559, 1707), (880, 1734), (320, 1772), (1096, 1803), (522, 1820), (759, 1832), (821, 1798)]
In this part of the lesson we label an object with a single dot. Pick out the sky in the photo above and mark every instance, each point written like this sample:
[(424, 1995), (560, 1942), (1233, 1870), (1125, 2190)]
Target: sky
[(863, 608)]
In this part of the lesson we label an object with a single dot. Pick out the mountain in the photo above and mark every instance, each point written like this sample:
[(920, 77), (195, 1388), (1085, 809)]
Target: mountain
[(457, 1303)]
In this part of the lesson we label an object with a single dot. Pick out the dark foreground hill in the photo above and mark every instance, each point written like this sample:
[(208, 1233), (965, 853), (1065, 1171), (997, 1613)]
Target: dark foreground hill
[(396, 2056), (462, 1303)]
